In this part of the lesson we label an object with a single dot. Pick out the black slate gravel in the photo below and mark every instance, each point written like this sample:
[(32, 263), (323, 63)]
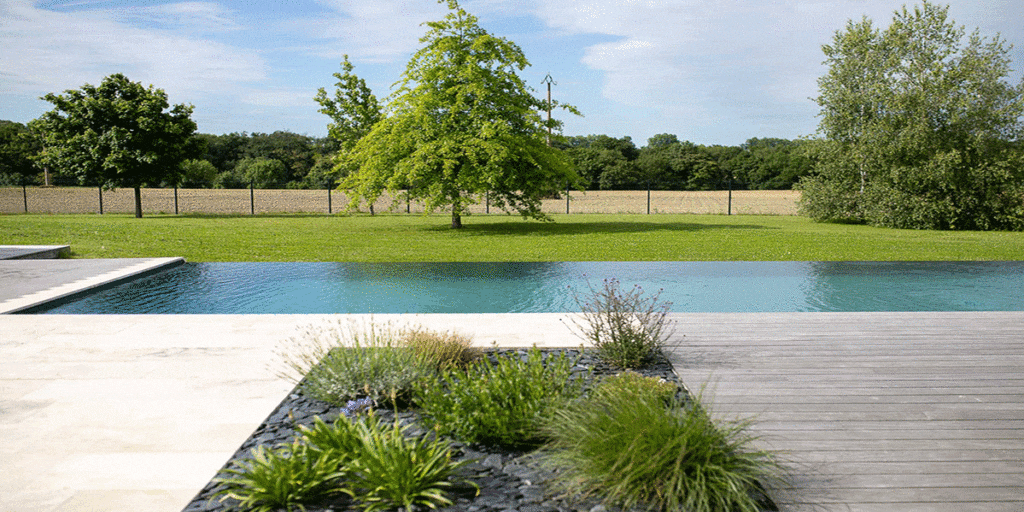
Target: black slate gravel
[(508, 481)]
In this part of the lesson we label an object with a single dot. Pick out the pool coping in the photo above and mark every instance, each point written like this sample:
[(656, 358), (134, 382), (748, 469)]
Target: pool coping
[(85, 279), (34, 252)]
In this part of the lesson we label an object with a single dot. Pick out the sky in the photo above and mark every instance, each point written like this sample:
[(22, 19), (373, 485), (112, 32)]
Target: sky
[(708, 71)]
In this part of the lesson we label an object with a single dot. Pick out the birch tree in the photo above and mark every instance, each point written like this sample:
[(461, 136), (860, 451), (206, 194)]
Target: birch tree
[(919, 127)]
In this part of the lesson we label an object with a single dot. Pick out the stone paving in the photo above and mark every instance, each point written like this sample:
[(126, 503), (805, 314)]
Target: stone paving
[(138, 412), (32, 252)]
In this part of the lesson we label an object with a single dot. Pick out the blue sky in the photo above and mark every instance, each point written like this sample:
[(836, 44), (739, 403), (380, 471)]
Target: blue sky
[(709, 71)]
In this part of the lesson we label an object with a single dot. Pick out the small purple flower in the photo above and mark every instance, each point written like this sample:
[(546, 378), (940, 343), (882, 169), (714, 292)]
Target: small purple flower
[(354, 407)]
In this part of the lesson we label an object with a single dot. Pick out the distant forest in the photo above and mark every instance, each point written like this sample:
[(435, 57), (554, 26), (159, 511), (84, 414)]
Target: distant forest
[(288, 160)]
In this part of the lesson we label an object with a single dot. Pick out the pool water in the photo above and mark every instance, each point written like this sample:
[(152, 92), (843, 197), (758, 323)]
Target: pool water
[(233, 288)]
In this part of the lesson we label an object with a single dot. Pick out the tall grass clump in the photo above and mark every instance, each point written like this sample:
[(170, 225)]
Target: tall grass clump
[(445, 349), (339, 363), (626, 327), (632, 383), (498, 403), (623, 444)]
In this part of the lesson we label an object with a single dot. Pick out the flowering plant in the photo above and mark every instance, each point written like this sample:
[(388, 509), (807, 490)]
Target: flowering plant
[(626, 327)]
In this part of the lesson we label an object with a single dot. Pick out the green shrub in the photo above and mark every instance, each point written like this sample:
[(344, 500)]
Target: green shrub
[(393, 470), (338, 443), (287, 477), (376, 464), (634, 384), (336, 364), (627, 328), (445, 349), (630, 449), (499, 403)]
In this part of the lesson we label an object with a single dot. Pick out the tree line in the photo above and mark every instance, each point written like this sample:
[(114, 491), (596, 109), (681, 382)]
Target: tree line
[(666, 163), (283, 159), (236, 160)]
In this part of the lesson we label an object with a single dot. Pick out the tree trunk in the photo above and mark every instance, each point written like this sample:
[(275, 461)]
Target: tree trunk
[(138, 203), (456, 219)]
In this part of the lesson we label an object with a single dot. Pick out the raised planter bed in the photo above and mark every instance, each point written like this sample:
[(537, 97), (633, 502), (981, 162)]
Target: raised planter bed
[(507, 480)]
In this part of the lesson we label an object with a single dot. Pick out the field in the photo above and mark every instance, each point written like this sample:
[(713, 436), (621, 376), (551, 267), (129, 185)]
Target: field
[(154, 201), (582, 237)]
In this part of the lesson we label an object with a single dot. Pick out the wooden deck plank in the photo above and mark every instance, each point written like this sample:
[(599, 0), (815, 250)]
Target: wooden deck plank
[(931, 507), (875, 411), (892, 434)]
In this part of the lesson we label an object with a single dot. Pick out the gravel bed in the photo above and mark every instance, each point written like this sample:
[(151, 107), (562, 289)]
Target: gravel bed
[(508, 481)]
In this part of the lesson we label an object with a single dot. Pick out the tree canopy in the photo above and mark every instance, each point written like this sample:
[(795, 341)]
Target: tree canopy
[(18, 146), (462, 125), (119, 134), (919, 128), (304, 159), (353, 110), (666, 163)]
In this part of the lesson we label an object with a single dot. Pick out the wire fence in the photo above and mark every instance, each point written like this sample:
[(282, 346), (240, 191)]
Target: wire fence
[(65, 200)]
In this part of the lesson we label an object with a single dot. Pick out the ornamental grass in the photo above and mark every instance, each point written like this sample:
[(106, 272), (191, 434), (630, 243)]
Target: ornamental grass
[(626, 446), (339, 363)]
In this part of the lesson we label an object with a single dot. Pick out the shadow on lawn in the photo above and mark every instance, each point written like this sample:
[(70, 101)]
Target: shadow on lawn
[(202, 215), (522, 228)]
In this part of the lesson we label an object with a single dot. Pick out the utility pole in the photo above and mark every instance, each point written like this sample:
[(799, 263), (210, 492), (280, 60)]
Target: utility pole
[(548, 80)]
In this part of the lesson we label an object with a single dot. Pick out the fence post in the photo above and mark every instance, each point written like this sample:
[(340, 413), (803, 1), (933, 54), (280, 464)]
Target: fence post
[(24, 193), (330, 207), (730, 197), (252, 200), (567, 197), (101, 199), (487, 202), (408, 201), (175, 199), (648, 197)]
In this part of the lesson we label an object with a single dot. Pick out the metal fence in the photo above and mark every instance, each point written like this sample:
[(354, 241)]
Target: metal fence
[(261, 201)]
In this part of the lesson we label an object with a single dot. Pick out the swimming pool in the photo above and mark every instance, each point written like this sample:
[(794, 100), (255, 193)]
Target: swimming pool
[(247, 288)]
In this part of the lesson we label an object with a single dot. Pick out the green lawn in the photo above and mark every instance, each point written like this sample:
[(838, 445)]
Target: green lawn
[(497, 238)]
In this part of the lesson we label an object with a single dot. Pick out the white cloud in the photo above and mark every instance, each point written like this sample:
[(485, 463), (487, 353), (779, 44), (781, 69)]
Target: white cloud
[(709, 61), (48, 51), (187, 16), (372, 31), (280, 97), (690, 48)]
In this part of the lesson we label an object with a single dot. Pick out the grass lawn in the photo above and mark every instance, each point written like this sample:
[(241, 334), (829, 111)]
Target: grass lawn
[(497, 238)]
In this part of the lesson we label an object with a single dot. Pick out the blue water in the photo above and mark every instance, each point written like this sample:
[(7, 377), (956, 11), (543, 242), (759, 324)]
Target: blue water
[(231, 288)]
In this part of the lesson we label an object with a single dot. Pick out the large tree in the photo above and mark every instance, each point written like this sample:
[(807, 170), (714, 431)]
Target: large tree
[(919, 128), (119, 134), (461, 125)]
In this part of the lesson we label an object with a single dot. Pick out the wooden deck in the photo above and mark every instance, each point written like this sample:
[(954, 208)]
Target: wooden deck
[(874, 411)]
